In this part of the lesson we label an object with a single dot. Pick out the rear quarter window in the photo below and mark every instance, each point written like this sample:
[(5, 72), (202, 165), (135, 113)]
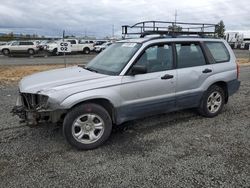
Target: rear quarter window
[(218, 51)]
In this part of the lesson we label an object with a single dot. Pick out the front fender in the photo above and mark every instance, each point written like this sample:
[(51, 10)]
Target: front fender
[(112, 95)]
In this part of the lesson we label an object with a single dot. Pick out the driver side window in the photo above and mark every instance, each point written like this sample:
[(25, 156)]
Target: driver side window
[(157, 58), (14, 43)]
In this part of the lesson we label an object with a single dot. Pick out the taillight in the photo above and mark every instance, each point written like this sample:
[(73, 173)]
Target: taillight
[(238, 70)]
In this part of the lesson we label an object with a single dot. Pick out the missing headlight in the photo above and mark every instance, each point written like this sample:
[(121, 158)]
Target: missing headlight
[(34, 101)]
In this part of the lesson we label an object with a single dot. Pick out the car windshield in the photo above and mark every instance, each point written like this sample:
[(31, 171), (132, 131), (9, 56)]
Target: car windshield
[(113, 59)]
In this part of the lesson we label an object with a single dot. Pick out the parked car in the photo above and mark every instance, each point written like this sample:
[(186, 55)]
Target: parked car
[(51, 47), (42, 44), (2, 43), (85, 48), (28, 47), (131, 79), (100, 42), (99, 48), (6, 45)]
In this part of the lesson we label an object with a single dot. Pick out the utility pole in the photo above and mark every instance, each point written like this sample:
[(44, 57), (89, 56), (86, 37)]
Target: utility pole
[(85, 33), (175, 16), (64, 57), (113, 30)]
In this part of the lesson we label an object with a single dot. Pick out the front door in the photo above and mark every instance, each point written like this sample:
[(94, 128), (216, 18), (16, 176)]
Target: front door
[(154, 91)]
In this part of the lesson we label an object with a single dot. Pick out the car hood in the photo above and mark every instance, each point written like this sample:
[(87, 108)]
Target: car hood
[(57, 79)]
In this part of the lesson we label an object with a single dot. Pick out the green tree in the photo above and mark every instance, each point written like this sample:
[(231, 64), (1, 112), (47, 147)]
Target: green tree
[(175, 28), (220, 29)]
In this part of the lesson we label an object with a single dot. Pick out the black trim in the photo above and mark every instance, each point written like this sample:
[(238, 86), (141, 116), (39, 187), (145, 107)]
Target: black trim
[(209, 56), (233, 86)]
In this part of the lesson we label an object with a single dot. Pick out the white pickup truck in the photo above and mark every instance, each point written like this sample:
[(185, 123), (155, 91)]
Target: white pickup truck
[(76, 46)]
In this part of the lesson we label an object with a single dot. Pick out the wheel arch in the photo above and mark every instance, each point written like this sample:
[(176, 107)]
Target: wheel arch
[(5, 49), (103, 102), (86, 47), (224, 86)]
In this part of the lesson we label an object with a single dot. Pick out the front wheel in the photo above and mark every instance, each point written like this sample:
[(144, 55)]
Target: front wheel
[(87, 126), (212, 102), (6, 52)]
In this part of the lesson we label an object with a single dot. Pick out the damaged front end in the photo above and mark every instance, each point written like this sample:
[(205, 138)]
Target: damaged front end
[(33, 109)]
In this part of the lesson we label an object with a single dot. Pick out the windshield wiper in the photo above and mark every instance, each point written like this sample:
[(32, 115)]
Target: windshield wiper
[(90, 69)]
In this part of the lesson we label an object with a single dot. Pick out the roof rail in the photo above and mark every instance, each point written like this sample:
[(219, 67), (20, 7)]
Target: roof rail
[(172, 29)]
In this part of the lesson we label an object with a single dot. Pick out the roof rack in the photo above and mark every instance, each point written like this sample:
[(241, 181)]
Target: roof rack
[(172, 29)]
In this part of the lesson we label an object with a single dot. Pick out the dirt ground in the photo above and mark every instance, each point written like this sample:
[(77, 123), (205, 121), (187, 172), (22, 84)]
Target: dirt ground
[(12, 74)]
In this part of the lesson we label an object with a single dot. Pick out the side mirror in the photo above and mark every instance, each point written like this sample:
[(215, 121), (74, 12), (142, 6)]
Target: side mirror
[(138, 69)]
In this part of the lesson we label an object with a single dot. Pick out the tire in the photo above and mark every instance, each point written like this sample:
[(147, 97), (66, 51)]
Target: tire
[(54, 52), (87, 126), (212, 101), (6, 52), (86, 50), (31, 51)]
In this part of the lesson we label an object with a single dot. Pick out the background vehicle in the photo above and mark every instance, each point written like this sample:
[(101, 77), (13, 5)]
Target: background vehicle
[(27, 47), (100, 42), (42, 44), (99, 48), (82, 47), (3, 43), (132, 79)]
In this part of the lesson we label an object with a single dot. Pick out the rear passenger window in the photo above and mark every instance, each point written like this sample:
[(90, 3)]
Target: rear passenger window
[(218, 51), (189, 55)]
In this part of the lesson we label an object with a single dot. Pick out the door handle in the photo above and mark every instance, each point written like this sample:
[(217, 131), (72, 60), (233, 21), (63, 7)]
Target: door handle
[(207, 71), (167, 76)]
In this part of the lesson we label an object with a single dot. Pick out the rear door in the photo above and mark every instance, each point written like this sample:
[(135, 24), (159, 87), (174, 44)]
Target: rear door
[(154, 91), (193, 69), (23, 46)]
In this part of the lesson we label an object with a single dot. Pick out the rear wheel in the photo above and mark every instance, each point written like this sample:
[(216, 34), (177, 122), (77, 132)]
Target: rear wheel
[(212, 101), (6, 52), (87, 126), (86, 50), (31, 51)]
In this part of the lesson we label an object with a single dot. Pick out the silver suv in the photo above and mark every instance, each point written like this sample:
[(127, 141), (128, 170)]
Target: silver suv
[(131, 79), (28, 47)]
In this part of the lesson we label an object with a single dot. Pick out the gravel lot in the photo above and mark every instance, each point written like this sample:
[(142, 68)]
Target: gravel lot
[(178, 149)]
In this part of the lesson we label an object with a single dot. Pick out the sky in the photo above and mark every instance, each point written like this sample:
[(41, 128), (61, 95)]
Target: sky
[(96, 17)]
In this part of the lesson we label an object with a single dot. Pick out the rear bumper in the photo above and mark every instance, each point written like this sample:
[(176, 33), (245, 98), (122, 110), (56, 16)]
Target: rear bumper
[(233, 86)]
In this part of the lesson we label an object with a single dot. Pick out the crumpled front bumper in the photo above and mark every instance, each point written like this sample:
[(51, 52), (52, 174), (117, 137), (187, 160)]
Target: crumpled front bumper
[(31, 114)]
